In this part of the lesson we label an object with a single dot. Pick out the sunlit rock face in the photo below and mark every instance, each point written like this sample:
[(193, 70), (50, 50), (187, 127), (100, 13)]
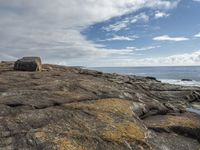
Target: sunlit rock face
[(70, 108)]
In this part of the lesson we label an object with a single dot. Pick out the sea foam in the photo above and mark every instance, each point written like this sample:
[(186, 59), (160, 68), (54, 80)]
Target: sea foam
[(179, 82)]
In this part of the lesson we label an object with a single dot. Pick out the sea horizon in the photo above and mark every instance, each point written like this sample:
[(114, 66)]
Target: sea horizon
[(166, 74), (144, 66)]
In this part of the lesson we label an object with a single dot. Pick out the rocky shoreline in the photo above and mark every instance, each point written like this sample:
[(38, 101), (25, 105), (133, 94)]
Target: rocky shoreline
[(70, 108)]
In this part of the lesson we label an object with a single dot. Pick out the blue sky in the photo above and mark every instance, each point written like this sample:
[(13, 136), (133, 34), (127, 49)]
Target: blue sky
[(102, 32)]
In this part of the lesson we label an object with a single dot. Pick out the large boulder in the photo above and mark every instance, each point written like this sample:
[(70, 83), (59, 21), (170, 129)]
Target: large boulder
[(28, 64)]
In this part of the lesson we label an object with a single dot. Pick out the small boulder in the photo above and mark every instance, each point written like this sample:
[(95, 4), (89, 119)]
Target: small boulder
[(186, 79), (150, 78), (28, 64)]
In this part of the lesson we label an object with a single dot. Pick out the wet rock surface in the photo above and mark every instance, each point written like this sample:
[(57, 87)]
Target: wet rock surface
[(70, 108)]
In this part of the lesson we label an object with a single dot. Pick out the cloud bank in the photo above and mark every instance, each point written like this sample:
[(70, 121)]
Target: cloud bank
[(179, 59), (173, 60), (52, 29)]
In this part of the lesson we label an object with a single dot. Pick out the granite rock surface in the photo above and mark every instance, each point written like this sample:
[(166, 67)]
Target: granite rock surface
[(68, 108)]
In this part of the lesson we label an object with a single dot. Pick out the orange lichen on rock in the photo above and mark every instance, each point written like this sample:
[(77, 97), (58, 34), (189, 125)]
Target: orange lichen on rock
[(114, 129), (172, 121), (62, 143), (182, 121), (67, 144), (106, 105), (125, 131)]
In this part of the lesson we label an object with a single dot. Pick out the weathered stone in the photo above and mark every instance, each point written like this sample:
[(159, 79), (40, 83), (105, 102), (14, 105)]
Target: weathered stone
[(71, 108), (28, 64), (151, 78), (186, 79)]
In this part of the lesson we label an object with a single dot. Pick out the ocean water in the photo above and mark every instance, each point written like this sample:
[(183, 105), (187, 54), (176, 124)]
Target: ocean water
[(197, 111), (171, 75)]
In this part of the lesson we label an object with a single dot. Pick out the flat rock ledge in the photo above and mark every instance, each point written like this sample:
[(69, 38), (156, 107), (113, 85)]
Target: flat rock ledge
[(68, 108), (28, 64)]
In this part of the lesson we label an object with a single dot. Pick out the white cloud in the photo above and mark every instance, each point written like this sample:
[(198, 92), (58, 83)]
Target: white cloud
[(123, 24), (196, 0), (143, 48), (159, 14), (52, 29), (168, 38), (197, 35), (121, 38), (117, 26), (143, 17)]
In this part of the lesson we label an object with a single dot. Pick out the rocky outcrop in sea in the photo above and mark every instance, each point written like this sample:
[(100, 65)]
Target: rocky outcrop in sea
[(69, 108)]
